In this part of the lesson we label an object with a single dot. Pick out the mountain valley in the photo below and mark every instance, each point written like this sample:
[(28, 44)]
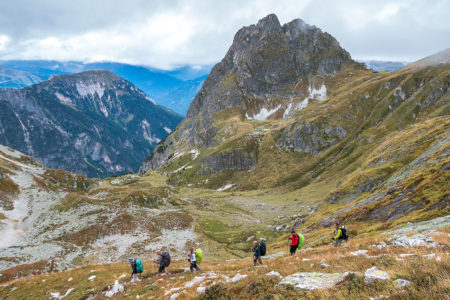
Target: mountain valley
[(286, 132)]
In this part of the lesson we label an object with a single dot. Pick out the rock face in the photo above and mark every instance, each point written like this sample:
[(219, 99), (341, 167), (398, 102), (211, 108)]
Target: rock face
[(266, 66), (93, 123), (312, 281), (234, 160), (309, 138)]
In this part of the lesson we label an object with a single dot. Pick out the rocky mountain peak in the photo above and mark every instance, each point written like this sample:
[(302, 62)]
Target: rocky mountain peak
[(267, 60)]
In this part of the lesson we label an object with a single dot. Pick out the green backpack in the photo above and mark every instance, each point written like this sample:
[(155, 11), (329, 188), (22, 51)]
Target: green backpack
[(301, 240), (139, 266), (198, 255)]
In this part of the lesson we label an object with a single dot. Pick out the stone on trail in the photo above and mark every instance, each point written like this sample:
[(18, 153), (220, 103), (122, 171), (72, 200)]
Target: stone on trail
[(274, 273), (400, 283), (313, 280), (359, 252), (373, 274), (236, 278)]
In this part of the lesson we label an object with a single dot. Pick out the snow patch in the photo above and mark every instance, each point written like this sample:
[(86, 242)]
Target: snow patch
[(62, 98), (195, 153), (263, 114), (179, 169), (151, 100), (313, 94), (103, 109), (92, 278), (226, 187), (167, 129), (10, 152), (90, 89), (319, 94), (147, 133)]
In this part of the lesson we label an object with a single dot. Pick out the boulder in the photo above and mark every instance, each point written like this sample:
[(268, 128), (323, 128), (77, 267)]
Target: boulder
[(401, 283), (312, 281), (402, 240), (274, 273), (373, 274)]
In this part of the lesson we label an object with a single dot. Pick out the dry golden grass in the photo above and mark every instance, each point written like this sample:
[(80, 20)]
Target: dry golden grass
[(430, 278)]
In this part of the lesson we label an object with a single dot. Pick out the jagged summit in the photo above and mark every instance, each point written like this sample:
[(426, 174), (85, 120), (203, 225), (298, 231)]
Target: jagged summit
[(270, 71), (267, 60)]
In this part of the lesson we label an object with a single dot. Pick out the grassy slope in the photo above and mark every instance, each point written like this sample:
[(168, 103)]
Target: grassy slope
[(430, 278)]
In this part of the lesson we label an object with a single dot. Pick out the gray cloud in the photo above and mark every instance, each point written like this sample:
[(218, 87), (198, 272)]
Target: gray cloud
[(169, 33)]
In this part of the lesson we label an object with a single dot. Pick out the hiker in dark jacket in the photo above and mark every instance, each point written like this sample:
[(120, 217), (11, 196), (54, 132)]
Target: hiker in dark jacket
[(294, 242), (134, 276), (192, 258), (256, 253), (161, 262)]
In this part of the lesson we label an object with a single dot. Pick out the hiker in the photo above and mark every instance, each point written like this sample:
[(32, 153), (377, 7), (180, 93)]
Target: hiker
[(192, 258), (137, 268), (256, 253), (163, 261), (340, 234), (297, 241)]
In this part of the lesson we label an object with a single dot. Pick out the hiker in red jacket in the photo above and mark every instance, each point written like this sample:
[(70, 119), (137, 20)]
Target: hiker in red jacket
[(294, 242)]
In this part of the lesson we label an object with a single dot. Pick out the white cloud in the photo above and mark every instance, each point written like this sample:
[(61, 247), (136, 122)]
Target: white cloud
[(4, 39), (174, 32)]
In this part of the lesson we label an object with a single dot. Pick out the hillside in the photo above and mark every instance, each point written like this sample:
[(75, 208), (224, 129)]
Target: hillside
[(93, 123), (384, 266)]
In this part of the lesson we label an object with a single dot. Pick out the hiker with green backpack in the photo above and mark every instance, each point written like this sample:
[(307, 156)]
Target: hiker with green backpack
[(340, 234), (296, 242), (137, 268), (195, 257)]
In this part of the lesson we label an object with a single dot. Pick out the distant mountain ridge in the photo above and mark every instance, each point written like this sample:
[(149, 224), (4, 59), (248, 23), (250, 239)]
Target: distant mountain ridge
[(93, 123), (174, 89)]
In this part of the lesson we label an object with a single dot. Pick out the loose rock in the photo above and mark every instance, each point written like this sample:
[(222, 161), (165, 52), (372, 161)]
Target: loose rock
[(312, 281), (373, 274)]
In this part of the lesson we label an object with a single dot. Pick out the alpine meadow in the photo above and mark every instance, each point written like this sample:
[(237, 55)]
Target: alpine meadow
[(298, 172)]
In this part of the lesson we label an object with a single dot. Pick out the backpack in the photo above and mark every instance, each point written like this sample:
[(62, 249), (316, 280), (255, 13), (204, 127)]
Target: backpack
[(262, 248), (344, 233), (198, 255), (139, 266), (301, 241), (166, 259)]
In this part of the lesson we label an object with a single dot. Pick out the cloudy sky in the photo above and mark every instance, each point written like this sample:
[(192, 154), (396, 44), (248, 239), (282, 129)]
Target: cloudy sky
[(170, 33)]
